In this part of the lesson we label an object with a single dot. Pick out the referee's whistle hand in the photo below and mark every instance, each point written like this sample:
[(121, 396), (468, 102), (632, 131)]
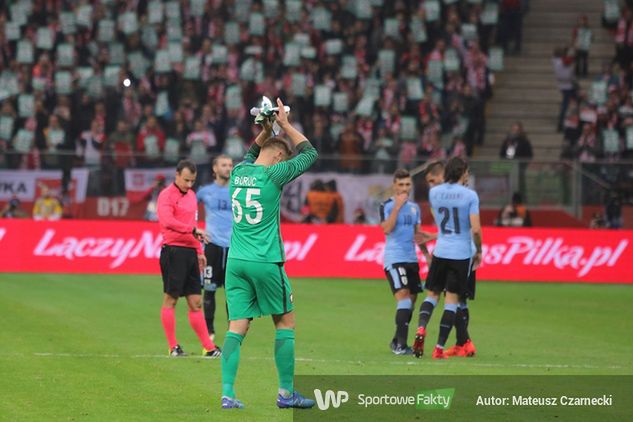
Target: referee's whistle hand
[(201, 236)]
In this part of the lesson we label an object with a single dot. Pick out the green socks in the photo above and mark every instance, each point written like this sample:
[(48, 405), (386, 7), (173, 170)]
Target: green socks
[(231, 361), (285, 358)]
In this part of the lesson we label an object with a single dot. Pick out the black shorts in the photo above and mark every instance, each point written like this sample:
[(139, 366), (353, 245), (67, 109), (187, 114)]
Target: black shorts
[(448, 274), (180, 271), (404, 275), (215, 271), (470, 288)]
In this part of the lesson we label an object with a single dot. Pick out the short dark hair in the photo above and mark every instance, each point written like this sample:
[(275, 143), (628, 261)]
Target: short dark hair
[(455, 169), (220, 157), (186, 164), (278, 143), (433, 167), (401, 174)]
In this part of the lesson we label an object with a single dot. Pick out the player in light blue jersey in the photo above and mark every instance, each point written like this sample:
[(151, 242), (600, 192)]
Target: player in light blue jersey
[(456, 212), (219, 222), (464, 347), (400, 220)]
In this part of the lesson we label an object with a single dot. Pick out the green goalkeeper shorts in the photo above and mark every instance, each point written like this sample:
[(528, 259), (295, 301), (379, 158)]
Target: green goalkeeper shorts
[(255, 289)]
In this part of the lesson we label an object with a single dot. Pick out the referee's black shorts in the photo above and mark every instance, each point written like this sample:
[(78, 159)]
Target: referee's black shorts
[(450, 275), (180, 271)]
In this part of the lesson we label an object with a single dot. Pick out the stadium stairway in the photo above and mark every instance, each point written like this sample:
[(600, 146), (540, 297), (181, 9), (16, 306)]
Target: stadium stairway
[(526, 89)]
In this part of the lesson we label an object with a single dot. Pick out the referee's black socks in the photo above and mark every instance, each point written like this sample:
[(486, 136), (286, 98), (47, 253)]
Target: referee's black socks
[(448, 319), (403, 316)]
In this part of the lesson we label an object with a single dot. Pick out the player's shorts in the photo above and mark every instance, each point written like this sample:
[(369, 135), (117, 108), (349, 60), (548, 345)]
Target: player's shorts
[(180, 271), (404, 275), (214, 273), (255, 289), (470, 288), (448, 274)]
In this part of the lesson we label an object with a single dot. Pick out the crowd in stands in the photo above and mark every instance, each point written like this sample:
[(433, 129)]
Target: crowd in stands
[(597, 123), (112, 84)]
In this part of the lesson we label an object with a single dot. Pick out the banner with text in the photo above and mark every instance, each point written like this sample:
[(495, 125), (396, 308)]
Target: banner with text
[(347, 251), (27, 185)]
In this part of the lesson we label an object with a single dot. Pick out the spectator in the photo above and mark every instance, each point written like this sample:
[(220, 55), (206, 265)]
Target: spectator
[(382, 152), (320, 205), (177, 132), (201, 142), (566, 82), (477, 71), (322, 140), (234, 145), (217, 93), (587, 149), (89, 150), (514, 214), (597, 221), (152, 198), (150, 142), (131, 109), (359, 216), (431, 147), (581, 38), (458, 148), (350, 149), (90, 145), (120, 147), (7, 130), (13, 209), (55, 137), (613, 211), (26, 154), (511, 25), (571, 124), (47, 207), (624, 38), (516, 145), (337, 214)]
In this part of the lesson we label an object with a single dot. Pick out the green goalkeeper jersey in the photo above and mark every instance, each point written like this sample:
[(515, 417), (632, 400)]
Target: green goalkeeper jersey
[(255, 195)]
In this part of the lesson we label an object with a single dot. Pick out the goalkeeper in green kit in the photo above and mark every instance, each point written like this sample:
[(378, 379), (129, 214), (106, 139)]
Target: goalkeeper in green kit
[(256, 282)]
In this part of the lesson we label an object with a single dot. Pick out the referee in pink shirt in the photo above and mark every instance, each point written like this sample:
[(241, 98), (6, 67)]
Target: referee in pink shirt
[(182, 258)]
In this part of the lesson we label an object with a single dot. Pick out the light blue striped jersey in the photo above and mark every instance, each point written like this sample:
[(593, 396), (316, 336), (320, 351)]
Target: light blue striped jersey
[(218, 214), (452, 206), (400, 246)]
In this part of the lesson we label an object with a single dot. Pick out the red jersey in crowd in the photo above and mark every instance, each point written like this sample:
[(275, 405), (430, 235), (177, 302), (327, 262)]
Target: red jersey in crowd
[(177, 216)]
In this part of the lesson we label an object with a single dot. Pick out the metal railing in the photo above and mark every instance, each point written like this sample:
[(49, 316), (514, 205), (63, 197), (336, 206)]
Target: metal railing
[(544, 184)]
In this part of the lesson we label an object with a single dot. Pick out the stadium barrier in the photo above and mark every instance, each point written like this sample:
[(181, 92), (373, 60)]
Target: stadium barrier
[(348, 251)]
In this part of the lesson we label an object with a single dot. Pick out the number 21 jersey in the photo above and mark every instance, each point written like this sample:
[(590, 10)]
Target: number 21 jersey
[(452, 206)]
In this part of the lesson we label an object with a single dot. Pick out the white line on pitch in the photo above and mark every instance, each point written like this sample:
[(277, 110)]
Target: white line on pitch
[(348, 362)]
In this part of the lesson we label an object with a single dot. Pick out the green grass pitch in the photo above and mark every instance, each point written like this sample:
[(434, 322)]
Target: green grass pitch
[(86, 347)]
